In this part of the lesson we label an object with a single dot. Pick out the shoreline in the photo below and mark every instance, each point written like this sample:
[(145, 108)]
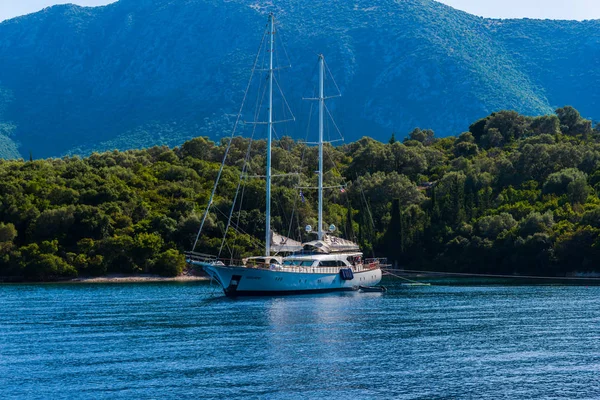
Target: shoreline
[(138, 279), (117, 278)]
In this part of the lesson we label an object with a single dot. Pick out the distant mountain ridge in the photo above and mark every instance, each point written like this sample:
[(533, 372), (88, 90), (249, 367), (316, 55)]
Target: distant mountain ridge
[(141, 72)]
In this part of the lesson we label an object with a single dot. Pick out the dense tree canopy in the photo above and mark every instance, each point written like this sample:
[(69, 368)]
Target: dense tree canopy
[(515, 194)]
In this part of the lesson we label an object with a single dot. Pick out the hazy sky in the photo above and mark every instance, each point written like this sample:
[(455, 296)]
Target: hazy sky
[(555, 9), (14, 8)]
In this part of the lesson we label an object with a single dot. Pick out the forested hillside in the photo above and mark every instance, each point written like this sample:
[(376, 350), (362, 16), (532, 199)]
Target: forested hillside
[(514, 194), (139, 73)]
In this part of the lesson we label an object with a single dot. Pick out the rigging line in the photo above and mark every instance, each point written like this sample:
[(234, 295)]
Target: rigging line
[(326, 151), (282, 210), (239, 215), (280, 65), (259, 102), (282, 41), (292, 216), (332, 78), (240, 230), (285, 104), (299, 231), (562, 278), (334, 167), (245, 167), (324, 187), (237, 192), (265, 52), (237, 121), (303, 157), (366, 203), (387, 272), (305, 148), (349, 207), (284, 99), (310, 114), (277, 138), (299, 171), (313, 93), (334, 124)]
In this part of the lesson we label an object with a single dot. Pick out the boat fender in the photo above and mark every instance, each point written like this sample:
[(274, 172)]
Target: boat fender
[(346, 274)]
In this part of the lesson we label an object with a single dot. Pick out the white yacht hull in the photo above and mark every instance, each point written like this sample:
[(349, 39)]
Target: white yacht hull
[(243, 281)]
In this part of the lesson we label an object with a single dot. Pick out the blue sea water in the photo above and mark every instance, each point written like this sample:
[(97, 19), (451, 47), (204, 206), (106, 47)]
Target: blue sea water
[(173, 341)]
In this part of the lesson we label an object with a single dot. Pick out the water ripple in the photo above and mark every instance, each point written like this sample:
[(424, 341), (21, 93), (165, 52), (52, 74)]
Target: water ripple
[(173, 341)]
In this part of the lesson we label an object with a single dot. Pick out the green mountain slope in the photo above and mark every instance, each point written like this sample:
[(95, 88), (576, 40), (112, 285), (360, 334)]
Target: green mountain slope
[(143, 72)]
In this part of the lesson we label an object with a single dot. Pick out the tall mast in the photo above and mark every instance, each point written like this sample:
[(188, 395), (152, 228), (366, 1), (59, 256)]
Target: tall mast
[(269, 136), (321, 110)]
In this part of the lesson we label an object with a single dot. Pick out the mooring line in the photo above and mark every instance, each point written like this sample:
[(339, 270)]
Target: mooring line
[(387, 272), (572, 278)]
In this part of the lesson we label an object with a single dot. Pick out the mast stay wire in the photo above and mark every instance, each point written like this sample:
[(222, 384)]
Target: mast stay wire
[(300, 167), (235, 126), (333, 79), (283, 40), (240, 230), (258, 106), (244, 168), (331, 122), (299, 170), (286, 107)]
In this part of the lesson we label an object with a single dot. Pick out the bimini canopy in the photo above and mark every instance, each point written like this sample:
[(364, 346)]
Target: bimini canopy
[(330, 244)]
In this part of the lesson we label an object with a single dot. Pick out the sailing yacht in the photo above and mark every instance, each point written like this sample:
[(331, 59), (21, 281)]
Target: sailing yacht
[(326, 264)]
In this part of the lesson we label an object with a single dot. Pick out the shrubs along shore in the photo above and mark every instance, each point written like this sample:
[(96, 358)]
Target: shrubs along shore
[(513, 195)]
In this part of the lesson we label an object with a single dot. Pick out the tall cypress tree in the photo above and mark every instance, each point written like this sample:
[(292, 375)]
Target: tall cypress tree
[(392, 239), (349, 225)]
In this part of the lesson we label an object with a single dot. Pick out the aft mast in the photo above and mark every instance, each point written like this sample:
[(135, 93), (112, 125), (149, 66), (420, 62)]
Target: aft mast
[(269, 136), (321, 109)]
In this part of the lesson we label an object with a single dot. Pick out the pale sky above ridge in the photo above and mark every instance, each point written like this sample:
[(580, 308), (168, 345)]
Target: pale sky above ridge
[(552, 9), (540, 9), (16, 8)]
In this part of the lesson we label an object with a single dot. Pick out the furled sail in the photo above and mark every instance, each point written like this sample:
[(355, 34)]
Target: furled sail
[(282, 244), (331, 244), (338, 244)]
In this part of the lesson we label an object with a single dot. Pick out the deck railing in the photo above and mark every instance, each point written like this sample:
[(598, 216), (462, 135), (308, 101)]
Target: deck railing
[(368, 265), (381, 262), (200, 257)]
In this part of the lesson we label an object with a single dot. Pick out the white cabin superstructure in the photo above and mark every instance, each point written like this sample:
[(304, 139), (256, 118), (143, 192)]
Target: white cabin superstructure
[(326, 264)]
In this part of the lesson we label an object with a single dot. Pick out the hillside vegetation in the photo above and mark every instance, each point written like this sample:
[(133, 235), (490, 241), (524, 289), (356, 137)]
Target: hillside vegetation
[(514, 194), (139, 73)]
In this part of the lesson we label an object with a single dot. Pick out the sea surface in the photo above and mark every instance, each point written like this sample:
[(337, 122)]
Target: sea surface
[(182, 340)]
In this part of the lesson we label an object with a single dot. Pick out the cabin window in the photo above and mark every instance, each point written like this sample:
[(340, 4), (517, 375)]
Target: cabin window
[(332, 263), (307, 263)]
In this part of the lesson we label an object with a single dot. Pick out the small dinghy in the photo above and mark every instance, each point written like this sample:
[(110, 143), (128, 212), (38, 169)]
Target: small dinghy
[(373, 289)]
